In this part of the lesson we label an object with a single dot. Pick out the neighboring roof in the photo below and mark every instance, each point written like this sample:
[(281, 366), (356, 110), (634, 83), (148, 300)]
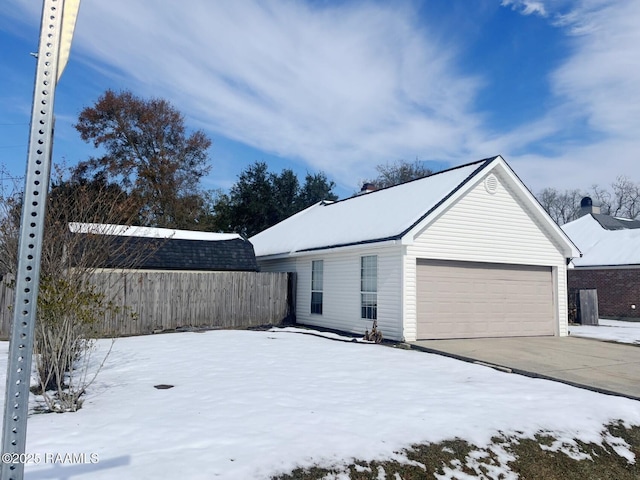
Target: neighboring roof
[(152, 248), (382, 215), (148, 232), (615, 223), (605, 241)]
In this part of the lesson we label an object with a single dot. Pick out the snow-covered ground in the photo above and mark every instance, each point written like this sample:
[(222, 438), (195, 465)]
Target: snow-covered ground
[(611, 330), (247, 404)]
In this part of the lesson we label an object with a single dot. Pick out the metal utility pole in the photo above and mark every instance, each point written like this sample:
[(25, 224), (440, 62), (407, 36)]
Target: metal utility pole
[(54, 33)]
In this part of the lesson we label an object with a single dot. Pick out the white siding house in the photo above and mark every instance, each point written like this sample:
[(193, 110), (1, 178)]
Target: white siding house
[(463, 253)]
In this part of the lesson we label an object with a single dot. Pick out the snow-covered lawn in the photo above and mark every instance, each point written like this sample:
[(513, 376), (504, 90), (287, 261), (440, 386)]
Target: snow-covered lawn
[(611, 330), (247, 405)]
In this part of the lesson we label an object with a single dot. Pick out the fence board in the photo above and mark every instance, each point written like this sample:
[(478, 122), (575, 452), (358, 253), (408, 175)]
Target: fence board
[(588, 306), (155, 301)]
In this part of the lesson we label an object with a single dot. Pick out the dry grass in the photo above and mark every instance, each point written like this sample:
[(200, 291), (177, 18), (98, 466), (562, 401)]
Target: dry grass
[(531, 459)]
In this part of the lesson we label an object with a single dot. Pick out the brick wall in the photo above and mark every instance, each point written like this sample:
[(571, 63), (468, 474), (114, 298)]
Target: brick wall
[(618, 289)]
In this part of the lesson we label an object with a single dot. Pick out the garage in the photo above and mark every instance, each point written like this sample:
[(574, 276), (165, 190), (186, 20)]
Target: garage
[(472, 300), (465, 253)]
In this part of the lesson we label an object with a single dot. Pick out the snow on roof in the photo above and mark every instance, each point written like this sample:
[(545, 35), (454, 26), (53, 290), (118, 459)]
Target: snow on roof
[(585, 232), (148, 232), (602, 247), (375, 216)]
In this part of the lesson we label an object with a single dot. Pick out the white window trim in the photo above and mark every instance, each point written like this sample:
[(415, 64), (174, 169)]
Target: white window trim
[(315, 289), (369, 291)]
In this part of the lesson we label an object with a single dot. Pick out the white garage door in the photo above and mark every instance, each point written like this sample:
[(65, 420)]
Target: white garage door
[(471, 300)]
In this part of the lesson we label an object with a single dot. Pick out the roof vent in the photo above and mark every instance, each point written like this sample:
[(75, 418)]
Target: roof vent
[(491, 184)]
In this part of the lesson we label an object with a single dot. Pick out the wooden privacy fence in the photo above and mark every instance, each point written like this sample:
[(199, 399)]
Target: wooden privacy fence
[(156, 301)]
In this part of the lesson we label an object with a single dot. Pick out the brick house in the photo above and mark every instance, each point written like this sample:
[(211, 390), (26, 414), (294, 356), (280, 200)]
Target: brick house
[(610, 261)]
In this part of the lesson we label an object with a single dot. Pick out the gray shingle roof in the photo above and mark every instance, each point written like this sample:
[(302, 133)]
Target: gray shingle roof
[(175, 254), (612, 223)]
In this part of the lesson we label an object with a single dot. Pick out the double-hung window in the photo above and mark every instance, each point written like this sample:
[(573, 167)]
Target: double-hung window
[(369, 287), (317, 274)]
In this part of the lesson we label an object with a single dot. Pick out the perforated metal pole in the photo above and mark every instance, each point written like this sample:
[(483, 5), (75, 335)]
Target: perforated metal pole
[(14, 434)]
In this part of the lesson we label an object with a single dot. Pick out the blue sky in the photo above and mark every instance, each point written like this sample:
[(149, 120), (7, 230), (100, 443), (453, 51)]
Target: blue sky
[(342, 86)]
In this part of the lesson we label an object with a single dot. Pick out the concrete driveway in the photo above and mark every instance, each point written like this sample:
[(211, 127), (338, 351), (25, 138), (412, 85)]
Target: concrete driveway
[(604, 367)]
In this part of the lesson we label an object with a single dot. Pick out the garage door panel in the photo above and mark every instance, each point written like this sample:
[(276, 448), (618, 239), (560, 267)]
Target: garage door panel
[(468, 300)]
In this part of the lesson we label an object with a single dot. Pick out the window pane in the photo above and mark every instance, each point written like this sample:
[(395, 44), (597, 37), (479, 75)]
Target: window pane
[(369, 306), (317, 267), (316, 302), (317, 274), (369, 274), (369, 284)]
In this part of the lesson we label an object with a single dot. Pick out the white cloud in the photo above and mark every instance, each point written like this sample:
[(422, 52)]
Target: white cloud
[(526, 7), (599, 82), (339, 87), (602, 78), (347, 86), (597, 90)]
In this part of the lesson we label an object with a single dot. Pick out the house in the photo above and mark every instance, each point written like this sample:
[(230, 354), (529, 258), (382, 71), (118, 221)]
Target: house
[(610, 262), (146, 248), (467, 252)]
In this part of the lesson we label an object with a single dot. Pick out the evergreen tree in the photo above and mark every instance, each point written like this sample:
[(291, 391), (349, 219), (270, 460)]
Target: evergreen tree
[(260, 199)]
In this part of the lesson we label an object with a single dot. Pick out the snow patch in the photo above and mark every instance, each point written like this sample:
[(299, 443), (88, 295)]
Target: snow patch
[(610, 330), (569, 447), (621, 447), (247, 406)]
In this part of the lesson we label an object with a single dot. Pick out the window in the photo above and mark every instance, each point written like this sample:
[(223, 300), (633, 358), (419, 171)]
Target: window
[(369, 287), (317, 269)]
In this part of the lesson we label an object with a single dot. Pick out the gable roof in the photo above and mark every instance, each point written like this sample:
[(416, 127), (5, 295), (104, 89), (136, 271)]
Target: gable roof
[(167, 249), (605, 240), (382, 215)]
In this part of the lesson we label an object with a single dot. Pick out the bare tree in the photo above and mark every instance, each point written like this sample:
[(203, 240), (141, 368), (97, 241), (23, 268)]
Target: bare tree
[(563, 207), (622, 200), (70, 304), (398, 172), (625, 200), (602, 197)]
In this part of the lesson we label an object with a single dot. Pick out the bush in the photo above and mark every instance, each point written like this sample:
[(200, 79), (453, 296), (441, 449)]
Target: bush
[(70, 307), (374, 335), (68, 312)]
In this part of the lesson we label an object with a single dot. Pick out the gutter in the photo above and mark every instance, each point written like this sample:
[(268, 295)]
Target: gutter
[(324, 250)]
